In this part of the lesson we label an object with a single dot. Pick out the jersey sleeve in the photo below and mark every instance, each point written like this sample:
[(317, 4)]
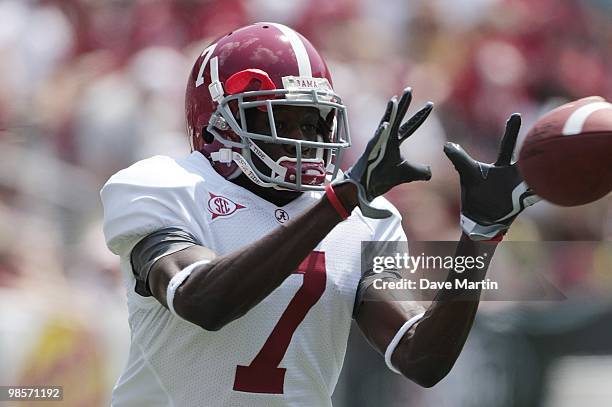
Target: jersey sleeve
[(143, 198)]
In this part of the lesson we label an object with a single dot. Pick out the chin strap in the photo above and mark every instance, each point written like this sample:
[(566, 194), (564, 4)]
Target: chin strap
[(273, 165), (227, 156), (244, 167)]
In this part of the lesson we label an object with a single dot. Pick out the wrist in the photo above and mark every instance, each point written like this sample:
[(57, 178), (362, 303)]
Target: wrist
[(342, 198), (347, 194), (478, 231), (495, 239)]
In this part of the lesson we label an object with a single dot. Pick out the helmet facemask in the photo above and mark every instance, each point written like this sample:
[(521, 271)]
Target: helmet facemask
[(315, 161)]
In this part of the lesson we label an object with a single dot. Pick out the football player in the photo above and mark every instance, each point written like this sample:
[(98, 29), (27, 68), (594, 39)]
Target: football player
[(242, 260)]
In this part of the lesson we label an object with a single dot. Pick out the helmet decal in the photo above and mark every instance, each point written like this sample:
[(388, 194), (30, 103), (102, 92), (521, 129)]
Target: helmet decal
[(299, 49), (206, 54)]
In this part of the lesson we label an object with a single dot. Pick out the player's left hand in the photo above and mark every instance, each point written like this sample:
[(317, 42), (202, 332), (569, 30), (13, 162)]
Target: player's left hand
[(381, 166), (492, 195)]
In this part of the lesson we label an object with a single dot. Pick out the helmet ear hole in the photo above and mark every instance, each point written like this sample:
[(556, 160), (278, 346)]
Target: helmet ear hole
[(207, 136)]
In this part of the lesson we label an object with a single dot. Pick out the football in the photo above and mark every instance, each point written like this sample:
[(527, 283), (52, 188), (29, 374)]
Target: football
[(566, 157)]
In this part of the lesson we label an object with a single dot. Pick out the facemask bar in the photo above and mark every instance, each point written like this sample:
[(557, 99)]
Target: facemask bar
[(323, 100)]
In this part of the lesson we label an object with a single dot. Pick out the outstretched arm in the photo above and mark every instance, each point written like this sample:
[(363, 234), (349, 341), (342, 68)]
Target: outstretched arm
[(424, 349)]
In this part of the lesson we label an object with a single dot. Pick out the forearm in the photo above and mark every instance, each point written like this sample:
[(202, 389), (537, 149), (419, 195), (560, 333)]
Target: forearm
[(230, 285), (433, 345), (492, 196)]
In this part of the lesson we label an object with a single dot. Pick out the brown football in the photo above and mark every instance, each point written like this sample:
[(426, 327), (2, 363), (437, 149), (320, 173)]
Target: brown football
[(566, 157)]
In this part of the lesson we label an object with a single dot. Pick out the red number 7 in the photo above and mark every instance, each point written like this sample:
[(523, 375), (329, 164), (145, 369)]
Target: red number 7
[(263, 374)]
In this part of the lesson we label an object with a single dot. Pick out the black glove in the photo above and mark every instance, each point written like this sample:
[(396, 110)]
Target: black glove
[(381, 166), (492, 195)]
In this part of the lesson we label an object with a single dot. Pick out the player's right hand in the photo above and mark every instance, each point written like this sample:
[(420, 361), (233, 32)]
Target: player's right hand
[(381, 166)]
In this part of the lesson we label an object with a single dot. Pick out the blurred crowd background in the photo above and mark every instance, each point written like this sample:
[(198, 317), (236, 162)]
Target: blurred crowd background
[(87, 87)]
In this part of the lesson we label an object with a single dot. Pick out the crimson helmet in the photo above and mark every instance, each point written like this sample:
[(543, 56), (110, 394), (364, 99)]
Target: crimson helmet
[(261, 66)]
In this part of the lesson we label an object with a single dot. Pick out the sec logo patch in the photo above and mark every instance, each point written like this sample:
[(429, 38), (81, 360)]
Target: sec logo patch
[(221, 206)]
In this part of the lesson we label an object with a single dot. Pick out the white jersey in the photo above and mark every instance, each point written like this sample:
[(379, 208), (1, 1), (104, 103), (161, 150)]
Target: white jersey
[(286, 351)]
